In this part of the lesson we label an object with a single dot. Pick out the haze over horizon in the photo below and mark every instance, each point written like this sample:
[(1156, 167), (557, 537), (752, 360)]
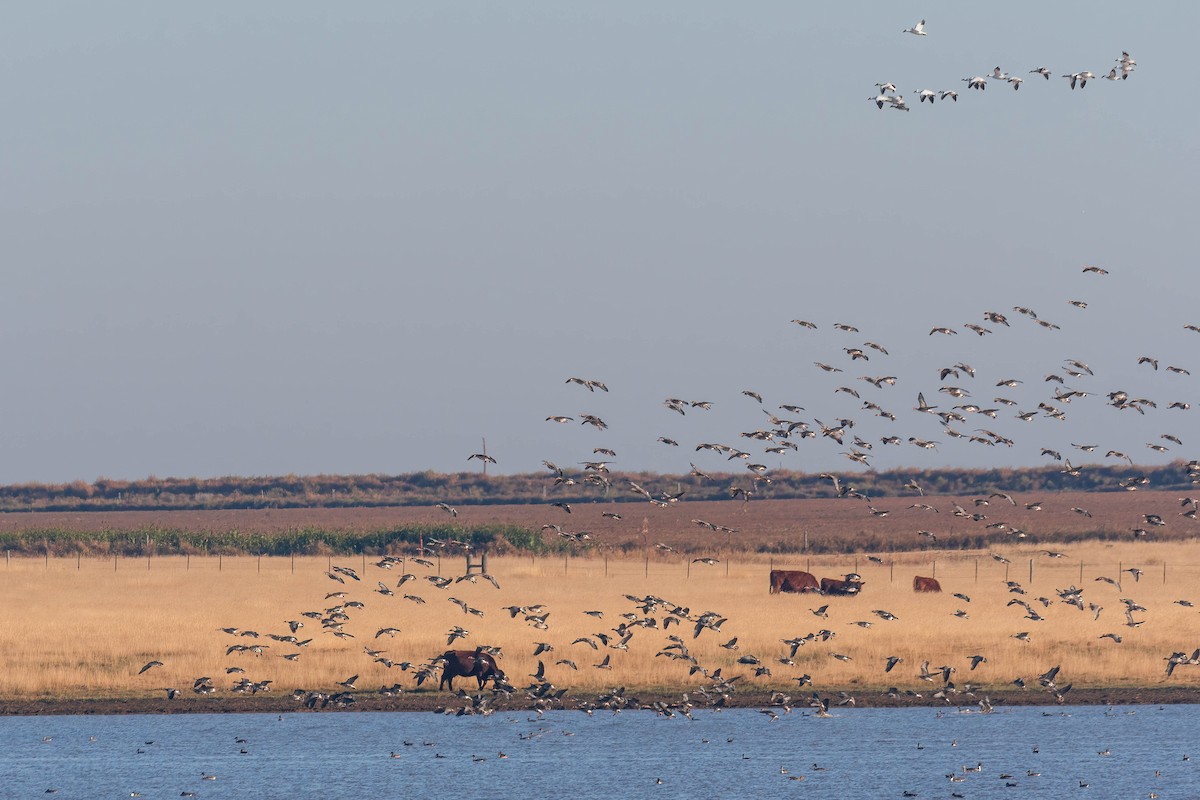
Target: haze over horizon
[(295, 238)]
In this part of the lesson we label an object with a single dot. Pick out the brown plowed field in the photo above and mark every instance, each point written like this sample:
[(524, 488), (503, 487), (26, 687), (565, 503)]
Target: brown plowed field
[(839, 525)]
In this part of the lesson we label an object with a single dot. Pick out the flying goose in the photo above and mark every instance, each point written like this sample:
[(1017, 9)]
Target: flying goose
[(918, 29)]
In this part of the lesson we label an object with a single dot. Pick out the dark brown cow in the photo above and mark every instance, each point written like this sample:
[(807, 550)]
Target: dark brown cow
[(837, 586), (467, 664), (793, 580), (926, 584)]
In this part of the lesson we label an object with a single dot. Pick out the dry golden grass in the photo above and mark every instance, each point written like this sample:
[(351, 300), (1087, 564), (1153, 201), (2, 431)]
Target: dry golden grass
[(84, 629)]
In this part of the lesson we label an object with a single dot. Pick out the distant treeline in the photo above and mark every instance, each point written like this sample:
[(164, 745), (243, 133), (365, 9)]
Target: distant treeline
[(474, 488)]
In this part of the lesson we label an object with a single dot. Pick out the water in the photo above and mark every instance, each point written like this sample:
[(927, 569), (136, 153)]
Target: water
[(860, 753)]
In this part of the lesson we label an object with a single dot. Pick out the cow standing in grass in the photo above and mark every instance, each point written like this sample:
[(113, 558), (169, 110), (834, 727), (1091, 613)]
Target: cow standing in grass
[(793, 580)]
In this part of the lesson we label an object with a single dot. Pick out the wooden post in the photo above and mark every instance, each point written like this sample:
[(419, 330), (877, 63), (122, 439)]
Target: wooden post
[(78, 561), (688, 573), (293, 562), (260, 565), (934, 568), (726, 567), (977, 570), (220, 562), (1164, 573), (147, 562), (565, 557), (892, 572), (187, 564), (646, 570), (606, 564), (1031, 570), (1081, 571)]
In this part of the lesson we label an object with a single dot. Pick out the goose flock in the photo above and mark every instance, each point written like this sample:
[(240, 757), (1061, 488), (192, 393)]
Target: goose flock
[(931, 423), (887, 93)]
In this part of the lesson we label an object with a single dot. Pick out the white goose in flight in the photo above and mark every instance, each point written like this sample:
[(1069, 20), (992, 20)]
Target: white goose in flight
[(918, 29)]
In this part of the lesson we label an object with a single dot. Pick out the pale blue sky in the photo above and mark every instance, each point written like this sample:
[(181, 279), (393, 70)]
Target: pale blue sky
[(311, 237)]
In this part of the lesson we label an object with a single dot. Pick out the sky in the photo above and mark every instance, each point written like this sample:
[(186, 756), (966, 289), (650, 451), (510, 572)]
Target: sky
[(302, 237)]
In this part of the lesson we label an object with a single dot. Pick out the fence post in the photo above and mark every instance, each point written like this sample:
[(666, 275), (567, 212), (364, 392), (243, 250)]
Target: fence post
[(114, 562), (606, 564), (220, 561), (293, 562), (147, 562), (892, 572), (1081, 570), (934, 568), (688, 574), (1164, 573), (646, 569), (187, 562), (260, 564), (1031, 570), (78, 561), (977, 569)]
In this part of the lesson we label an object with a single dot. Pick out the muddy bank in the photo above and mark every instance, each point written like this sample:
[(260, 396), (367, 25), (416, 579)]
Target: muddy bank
[(438, 702)]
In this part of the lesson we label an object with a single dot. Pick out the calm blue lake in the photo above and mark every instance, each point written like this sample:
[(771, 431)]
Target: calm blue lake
[(860, 753)]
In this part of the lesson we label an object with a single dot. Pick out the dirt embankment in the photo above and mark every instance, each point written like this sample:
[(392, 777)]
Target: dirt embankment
[(447, 703)]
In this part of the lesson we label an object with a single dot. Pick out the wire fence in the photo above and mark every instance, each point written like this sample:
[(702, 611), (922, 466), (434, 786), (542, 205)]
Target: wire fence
[(955, 569)]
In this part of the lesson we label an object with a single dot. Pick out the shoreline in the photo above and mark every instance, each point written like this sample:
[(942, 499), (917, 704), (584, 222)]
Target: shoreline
[(441, 702)]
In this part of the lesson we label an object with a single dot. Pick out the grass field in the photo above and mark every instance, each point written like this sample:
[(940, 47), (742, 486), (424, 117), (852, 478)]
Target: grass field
[(83, 628)]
